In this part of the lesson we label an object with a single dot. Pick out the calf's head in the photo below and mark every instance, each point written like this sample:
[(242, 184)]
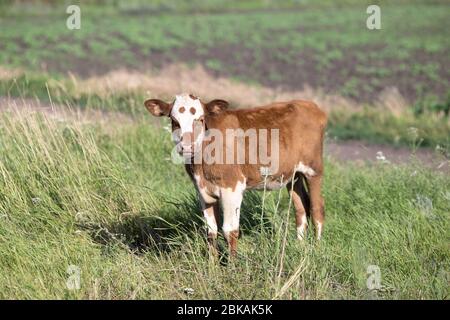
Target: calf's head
[(188, 115)]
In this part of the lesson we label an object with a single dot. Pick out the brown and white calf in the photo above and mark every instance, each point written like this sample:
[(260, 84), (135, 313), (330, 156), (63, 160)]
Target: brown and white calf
[(296, 127)]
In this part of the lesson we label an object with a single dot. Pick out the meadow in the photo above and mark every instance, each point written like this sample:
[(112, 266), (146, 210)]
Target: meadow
[(102, 196), (87, 186), (332, 46)]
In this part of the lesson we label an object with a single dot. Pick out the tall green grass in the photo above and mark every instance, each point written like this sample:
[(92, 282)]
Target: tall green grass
[(382, 126), (104, 198)]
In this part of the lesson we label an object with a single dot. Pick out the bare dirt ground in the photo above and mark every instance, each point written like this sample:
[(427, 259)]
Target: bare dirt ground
[(357, 152), (361, 152), (264, 65)]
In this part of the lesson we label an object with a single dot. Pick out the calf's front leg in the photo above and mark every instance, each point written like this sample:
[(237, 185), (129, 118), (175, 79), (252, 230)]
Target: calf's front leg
[(211, 215), (231, 200)]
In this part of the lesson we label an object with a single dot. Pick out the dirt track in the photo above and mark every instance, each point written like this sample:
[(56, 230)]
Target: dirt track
[(362, 152)]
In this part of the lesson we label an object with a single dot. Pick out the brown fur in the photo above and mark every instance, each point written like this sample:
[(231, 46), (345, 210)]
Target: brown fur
[(301, 126)]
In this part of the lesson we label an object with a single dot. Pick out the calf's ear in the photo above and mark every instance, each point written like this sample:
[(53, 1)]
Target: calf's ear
[(158, 107), (216, 106)]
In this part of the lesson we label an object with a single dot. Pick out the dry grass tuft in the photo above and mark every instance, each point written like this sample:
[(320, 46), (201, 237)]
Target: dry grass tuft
[(391, 100), (9, 73), (179, 78)]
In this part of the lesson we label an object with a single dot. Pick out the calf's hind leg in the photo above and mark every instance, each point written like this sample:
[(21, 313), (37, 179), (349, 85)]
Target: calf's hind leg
[(317, 204), (301, 203)]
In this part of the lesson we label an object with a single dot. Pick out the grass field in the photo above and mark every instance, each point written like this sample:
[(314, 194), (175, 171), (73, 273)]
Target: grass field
[(333, 48), (91, 190), (104, 198)]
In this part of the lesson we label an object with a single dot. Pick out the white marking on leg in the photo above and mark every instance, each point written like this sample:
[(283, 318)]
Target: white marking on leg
[(300, 167), (210, 220), (231, 203), (318, 230), (301, 229)]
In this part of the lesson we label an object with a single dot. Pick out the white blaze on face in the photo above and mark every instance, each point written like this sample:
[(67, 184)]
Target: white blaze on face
[(185, 111)]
